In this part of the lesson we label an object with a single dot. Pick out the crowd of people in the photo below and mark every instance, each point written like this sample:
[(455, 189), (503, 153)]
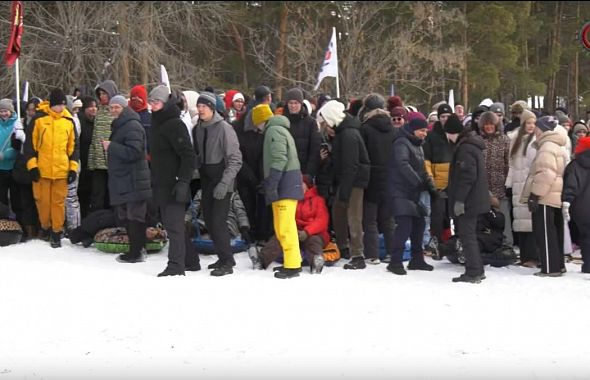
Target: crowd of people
[(289, 178)]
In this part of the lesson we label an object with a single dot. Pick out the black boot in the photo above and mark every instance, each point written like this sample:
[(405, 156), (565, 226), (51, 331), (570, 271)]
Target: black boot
[(287, 273), (44, 234), (469, 279), (397, 269), (357, 262), (219, 263), (171, 272), (224, 269), (345, 253), (419, 265), (136, 234), (192, 262), (55, 239)]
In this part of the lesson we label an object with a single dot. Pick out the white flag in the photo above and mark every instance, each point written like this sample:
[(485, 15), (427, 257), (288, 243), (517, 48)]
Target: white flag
[(452, 100), (26, 92), (329, 67), (164, 78)]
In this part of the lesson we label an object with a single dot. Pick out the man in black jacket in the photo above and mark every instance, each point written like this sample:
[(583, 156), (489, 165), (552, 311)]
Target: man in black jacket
[(86, 116), (173, 162)]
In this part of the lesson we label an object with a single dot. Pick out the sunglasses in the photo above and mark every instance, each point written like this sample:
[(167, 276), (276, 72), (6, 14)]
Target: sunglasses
[(397, 118)]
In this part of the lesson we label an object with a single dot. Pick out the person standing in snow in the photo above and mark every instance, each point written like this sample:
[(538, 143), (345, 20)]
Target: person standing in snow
[(86, 115), (138, 101), (8, 124), (219, 161), (238, 107), (73, 213)]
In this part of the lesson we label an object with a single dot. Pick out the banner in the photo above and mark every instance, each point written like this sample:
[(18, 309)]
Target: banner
[(329, 67), (16, 26), (164, 78)]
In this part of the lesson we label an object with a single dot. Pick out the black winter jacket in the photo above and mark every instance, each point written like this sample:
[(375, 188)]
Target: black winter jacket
[(129, 175), (251, 146), (378, 134), (576, 188), (351, 161), (468, 181), (85, 138), (173, 156), (306, 134)]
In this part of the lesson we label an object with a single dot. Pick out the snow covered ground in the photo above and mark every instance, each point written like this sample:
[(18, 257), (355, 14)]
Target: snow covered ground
[(77, 313)]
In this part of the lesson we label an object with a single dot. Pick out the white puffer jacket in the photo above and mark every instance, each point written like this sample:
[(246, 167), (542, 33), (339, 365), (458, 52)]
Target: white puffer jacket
[(519, 168)]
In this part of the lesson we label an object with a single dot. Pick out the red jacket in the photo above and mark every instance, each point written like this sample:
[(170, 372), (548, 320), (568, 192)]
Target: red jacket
[(312, 215)]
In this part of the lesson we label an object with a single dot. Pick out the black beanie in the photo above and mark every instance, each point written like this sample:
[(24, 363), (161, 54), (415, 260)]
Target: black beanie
[(57, 97), (294, 94), (86, 102), (444, 108), (416, 124), (453, 124), (373, 101)]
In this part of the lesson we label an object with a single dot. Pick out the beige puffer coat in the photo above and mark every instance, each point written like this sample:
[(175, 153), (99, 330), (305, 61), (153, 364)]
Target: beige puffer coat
[(546, 176)]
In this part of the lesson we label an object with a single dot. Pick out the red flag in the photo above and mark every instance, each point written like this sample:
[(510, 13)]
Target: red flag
[(14, 44)]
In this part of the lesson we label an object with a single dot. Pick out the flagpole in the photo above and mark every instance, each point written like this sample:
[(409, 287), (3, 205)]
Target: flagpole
[(17, 88), (337, 71)]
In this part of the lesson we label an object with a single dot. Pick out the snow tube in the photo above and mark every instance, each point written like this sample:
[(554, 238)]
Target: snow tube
[(115, 240), (382, 253), (10, 232), (501, 257), (206, 247)]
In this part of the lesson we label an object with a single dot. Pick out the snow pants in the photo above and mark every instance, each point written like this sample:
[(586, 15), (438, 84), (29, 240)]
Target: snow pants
[(50, 196), (286, 231)]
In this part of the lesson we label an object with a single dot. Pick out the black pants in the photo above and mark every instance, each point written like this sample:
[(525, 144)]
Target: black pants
[(8, 185), (528, 246), (100, 193), (466, 230), (85, 191), (377, 218), (439, 219), (173, 220), (259, 214), (548, 230), (408, 227), (584, 242)]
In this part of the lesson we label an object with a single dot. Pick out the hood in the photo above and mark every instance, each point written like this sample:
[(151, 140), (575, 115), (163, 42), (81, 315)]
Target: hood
[(140, 92), (229, 96), (216, 119), (109, 87), (280, 121), (551, 136), (379, 121), (44, 107), (127, 115), (584, 159), (348, 122), (191, 102), (10, 121), (311, 193), (376, 113), (472, 139), (170, 111)]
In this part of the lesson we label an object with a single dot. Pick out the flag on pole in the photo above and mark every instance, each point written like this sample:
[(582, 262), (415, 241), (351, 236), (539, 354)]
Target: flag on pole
[(26, 92), (452, 100), (16, 32), (329, 67), (164, 78)]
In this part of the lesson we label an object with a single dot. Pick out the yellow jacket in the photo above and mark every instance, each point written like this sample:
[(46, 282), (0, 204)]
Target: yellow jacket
[(52, 145)]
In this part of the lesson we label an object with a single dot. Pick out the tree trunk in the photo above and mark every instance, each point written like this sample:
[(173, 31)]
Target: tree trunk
[(242, 52), (281, 52), (123, 75), (554, 54)]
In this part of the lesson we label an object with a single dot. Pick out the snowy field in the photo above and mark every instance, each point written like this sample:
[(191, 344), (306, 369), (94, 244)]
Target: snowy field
[(75, 313)]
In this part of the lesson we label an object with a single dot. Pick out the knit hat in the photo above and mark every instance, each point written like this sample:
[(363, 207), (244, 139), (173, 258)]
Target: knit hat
[(238, 96), (118, 99), (583, 145), (77, 104), (394, 101), (526, 115), (578, 127), (478, 111), (373, 101), (399, 112), (444, 108), (57, 97), (546, 123), (453, 125), (415, 125), (355, 106), (562, 117), (160, 93), (209, 99), (487, 117), (416, 116), (261, 92), (498, 108), (294, 94), (261, 113), (519, 106), (332, 112), (138, 92), (6, 104)]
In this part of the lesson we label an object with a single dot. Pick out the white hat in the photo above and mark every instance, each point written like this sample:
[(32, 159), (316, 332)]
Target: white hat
[(238, 96), (487, 102), (332, 112)]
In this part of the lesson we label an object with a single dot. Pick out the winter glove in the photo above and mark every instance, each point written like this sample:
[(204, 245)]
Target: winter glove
[(245, 232), (302, 235), (459, 208), (533, 203), (72, 175), (565, 209), (35, 174), (508, 192), (220, 191), (182, 192), (19, 133)]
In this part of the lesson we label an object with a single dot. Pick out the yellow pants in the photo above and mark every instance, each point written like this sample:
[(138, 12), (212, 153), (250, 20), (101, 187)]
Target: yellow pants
[(50, 196), (283, 213)]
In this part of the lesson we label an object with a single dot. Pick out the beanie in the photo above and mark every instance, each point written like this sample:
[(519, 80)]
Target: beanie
[(578, 127), (373, 101), (354, 107), (416, 116), (261, 113), (444, 108), (478, 111), (160, 93), (332, 112), (87, 102), (238, 96), (526, 115), (57, 97), (546, 123), (562, 117), (6, 104), (140, 103), (209, 99), (118, 99), (294, 94), (416, 124), (77, 104), (519, 106), (453, 125), (399, 112), (498, 108), (394, 101), (261, 92)]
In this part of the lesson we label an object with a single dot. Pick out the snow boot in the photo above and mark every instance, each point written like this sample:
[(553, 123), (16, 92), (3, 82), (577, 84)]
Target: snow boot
[(345, 253), (469, 279), (136, 235), (317, 264), (357, 262), (44, 234), (285, 273), (397, 269), (419, 265), (224, 269), (171, 272), (219, 263), (254, 257), (55, 239)]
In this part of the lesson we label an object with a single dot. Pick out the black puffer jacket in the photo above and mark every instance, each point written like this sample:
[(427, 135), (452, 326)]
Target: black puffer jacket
[(378, 134), (251, 146), (468, 181), (173, 156), (576, 187), (407, 177), (350, 158), (85, 138), (129, 175), (306, 134)]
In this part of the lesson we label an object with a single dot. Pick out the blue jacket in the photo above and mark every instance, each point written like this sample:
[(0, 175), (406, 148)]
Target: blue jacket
[(7, 153)]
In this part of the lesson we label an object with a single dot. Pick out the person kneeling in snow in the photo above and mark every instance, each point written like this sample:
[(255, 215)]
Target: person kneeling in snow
[(312, 219)]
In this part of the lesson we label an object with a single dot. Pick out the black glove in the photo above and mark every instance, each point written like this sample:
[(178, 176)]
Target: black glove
[(508, 192), (35, 174), (245, 232), (533, 202), (182, 192), (72, 175)]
